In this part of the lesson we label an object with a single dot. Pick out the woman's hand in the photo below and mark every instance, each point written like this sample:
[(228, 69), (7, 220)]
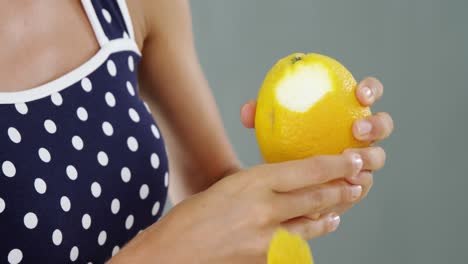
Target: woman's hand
[(372, 129), (234, 220)]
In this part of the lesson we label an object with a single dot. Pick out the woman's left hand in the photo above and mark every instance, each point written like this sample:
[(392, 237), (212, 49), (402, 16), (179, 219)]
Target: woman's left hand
[(372, 129)]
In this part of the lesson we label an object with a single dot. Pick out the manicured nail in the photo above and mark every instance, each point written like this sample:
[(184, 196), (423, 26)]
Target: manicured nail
[(356, 192), (364, 127), (334, 222), (368, 93), (357, 161)]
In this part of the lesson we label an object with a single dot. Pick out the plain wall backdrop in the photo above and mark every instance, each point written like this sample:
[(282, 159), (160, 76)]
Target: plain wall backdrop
[(417, 210)]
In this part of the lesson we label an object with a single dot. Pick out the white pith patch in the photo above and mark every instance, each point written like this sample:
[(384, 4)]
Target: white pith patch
[(302, 88)]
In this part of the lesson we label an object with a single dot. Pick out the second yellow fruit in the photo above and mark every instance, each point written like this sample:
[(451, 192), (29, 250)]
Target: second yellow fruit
[(306, 107)]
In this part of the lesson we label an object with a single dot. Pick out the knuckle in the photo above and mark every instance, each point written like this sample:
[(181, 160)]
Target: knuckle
[(265, 213), (317, 169), (316, 200)]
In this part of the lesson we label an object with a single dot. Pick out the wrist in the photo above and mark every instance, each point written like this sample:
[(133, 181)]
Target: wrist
[(147, 248)]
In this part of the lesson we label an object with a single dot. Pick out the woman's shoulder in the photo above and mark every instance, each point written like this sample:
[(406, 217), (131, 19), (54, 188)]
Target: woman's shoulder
[(158, 18)]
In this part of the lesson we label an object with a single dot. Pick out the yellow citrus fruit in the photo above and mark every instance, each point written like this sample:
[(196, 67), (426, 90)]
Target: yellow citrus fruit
[(306, 107), (286, 248)]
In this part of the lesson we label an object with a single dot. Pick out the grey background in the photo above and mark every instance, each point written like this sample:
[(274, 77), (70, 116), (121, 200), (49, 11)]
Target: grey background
[(417, 211)]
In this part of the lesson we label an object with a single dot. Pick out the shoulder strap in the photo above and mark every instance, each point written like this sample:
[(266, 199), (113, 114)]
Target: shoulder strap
[(110, 19)]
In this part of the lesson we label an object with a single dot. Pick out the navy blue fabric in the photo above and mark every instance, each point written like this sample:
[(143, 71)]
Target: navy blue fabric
[(116, 27), (45, 204)]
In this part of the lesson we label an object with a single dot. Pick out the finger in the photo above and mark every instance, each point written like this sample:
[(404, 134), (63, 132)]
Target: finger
[(247, 114), (366, 181), (310, 201), (373, 157), (369, 91), (309, 229), (373, 128), (298, 174)]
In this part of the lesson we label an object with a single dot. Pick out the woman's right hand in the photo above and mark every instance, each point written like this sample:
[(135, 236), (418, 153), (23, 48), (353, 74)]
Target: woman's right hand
[(234, 220)]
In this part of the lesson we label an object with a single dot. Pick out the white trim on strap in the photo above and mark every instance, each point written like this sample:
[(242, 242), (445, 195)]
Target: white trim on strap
[(94, 20), (72, 77), (126, 16)]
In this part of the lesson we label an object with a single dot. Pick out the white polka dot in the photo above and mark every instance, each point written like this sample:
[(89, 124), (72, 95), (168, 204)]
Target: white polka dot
[(14, 135), (82, 113), (134, 115), (115, 206), (132, 144), (155, 131), (107, 15), (40, 185), (74, 252), (126, 174), (96, 189), (111, 68), (8, 169), (102, 237), (56, 99), (65, 203), (102, 158), (155, 209), (129, 222), (22, 108), (57, 237), (72, 173), (107, 129), (86, 85), (144, 191), (44, 155), (166, 179), (131, 63), (86, 221), (50, 126), (115, 250), (110, 99), (15, 256), (155, 160), (2, 205), (30, 220), (147, 107), (130, 88), (77, 142)]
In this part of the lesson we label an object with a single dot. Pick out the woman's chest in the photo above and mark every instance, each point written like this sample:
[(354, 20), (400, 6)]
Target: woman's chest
[(83, 168)]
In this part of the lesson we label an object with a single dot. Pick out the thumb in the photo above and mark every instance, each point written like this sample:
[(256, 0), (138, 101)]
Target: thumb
[(247, 114)]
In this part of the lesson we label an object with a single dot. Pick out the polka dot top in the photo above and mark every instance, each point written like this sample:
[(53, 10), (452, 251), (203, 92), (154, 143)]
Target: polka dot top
[(83, 167)]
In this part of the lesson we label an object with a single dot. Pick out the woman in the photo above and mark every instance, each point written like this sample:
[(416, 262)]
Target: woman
[(84, 170)]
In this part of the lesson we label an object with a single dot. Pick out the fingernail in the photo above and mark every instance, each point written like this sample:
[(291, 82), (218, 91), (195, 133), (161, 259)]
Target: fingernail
[(334, 222), (364, 127), (357, 161), (356, 192), (368, 92)]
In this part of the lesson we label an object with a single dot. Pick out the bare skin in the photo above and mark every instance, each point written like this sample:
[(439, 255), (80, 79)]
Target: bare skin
[(226, 205)]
